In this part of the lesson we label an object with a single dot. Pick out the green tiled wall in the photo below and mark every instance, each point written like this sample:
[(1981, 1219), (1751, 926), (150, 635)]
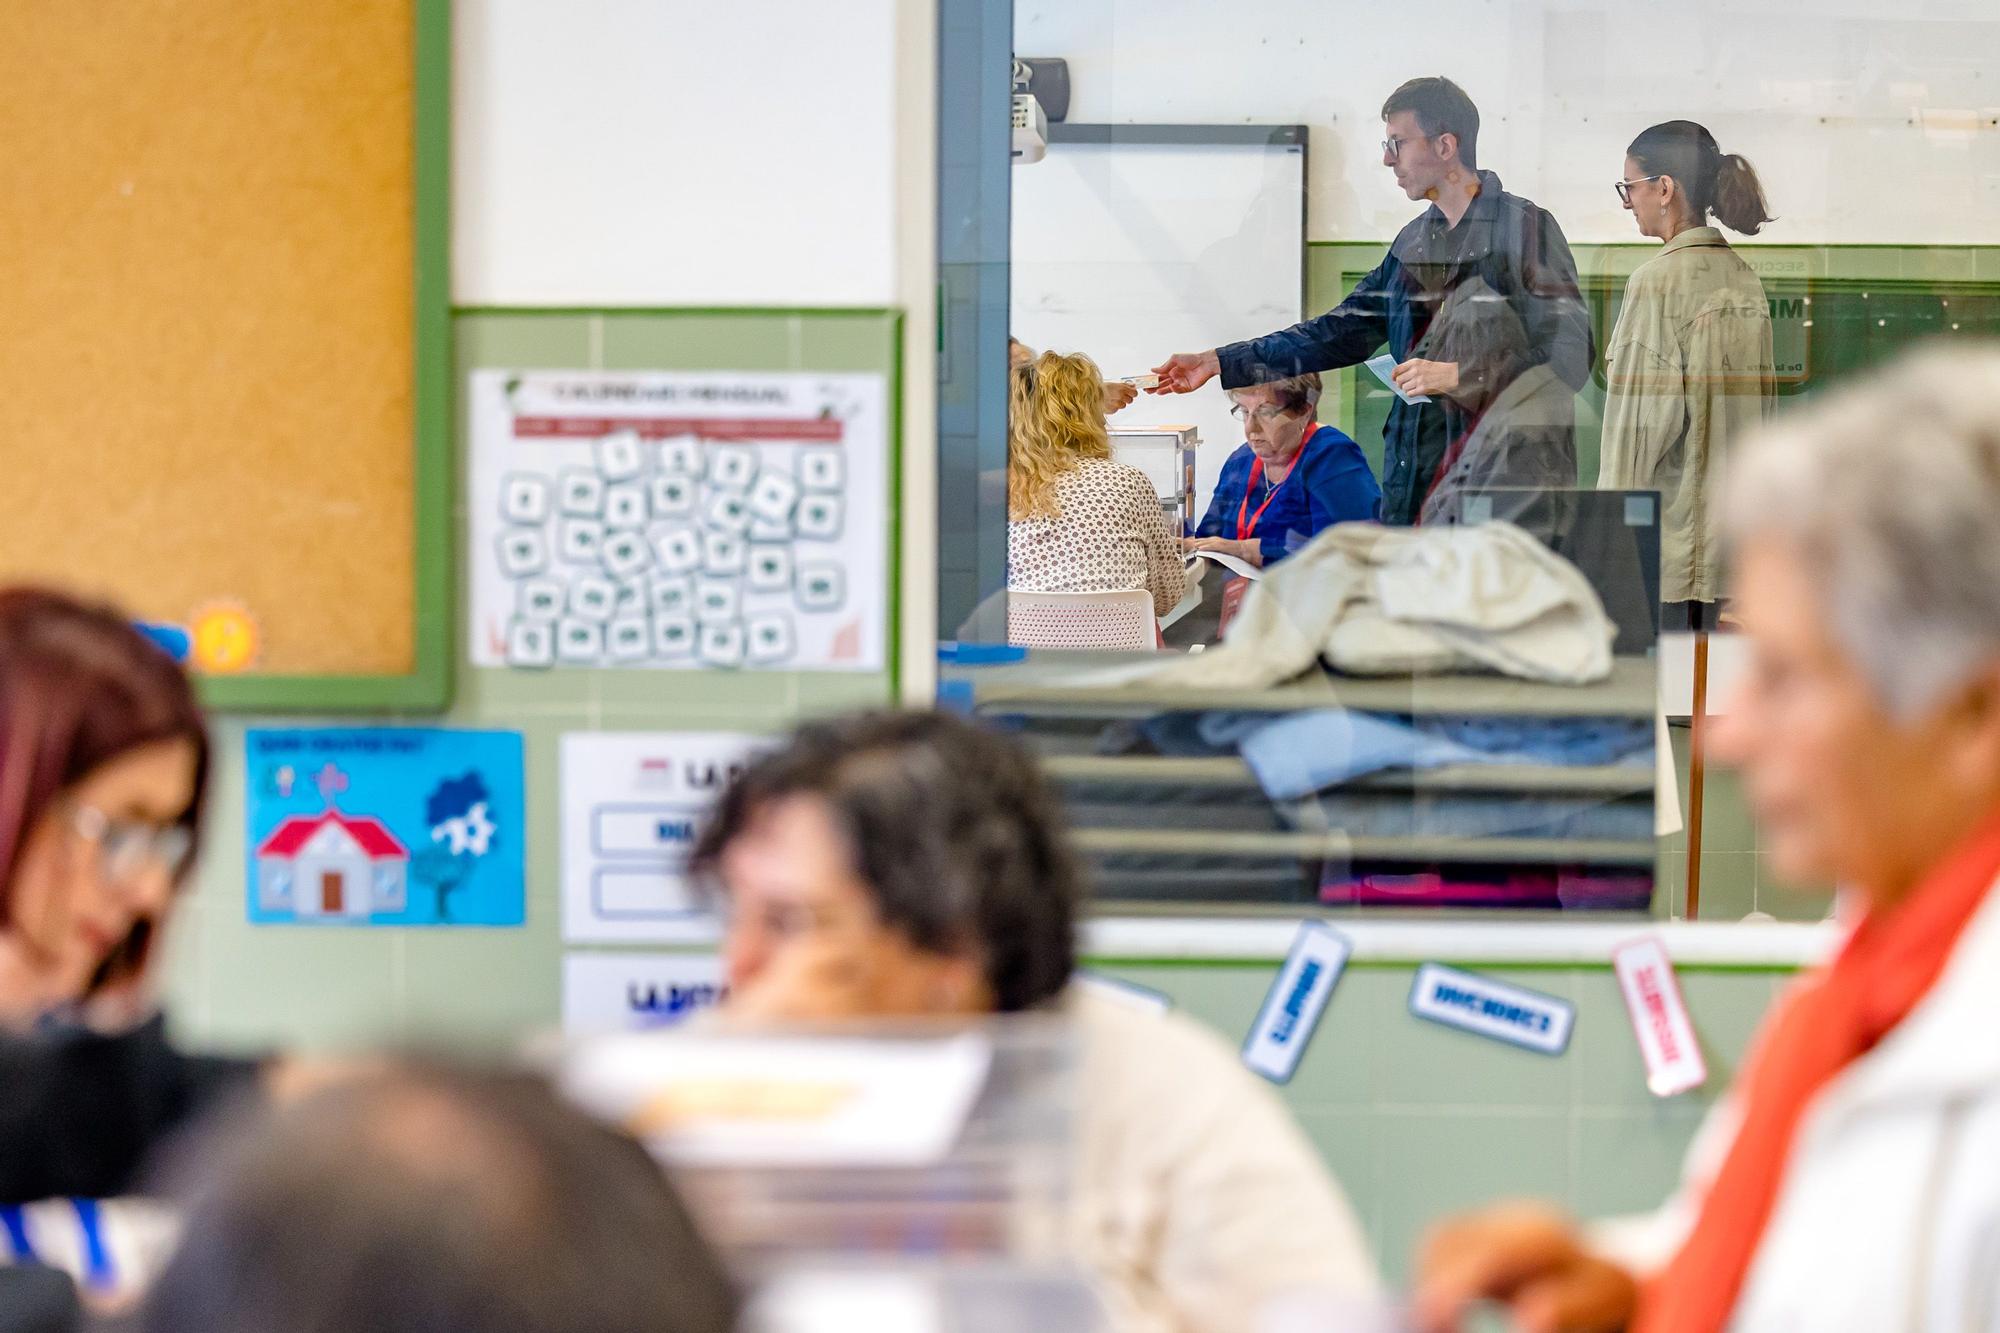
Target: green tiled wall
[(1418, 1120), (1869, 302), (1736, 875), (234, 985)]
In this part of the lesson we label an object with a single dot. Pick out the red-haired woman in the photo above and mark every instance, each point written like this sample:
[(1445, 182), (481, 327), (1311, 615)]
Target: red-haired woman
[(104, 760)]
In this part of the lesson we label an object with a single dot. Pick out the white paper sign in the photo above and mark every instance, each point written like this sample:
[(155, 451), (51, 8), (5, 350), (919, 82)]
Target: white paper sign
[(791, 1300), (1492, 1008), (714, 1100), (637, 992), (1667, 1040), (632, 803), (1297, 997), (589, 478)]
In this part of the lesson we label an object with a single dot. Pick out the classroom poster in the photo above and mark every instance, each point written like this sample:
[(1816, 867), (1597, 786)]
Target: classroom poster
[(678, 521), (384, 826), (632, 803)]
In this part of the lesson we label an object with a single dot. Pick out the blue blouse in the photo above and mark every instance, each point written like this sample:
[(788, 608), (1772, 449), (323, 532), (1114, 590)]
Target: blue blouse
[(1329, 483)]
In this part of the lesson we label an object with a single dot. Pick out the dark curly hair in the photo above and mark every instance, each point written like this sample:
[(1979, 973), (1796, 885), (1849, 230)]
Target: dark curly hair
[(950, 826)]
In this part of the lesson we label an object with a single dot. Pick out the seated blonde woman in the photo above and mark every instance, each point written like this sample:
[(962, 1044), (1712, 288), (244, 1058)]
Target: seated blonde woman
[(1078, 521), (1118, 395)]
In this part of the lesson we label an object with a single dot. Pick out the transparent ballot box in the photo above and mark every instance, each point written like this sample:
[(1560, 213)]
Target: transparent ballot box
[(929, 1144)]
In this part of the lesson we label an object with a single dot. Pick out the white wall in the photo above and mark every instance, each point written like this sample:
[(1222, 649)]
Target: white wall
[(694, 153), (1869, 122), (676, 152)]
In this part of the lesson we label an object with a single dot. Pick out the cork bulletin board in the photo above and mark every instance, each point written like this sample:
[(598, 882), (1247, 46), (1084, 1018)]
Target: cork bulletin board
[(224, 370)]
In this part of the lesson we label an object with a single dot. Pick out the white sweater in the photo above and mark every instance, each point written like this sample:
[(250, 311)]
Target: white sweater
[(1198, 1200), (1888, 1217)]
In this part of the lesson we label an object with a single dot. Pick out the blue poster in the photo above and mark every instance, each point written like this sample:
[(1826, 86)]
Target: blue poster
[(385, 826)]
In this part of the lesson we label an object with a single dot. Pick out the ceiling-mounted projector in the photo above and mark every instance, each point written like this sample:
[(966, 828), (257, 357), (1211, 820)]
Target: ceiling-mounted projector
[(1031, 129)]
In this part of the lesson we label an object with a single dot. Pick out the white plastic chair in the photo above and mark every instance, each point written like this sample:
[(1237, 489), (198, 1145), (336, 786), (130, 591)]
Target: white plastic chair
[(1102, 620)]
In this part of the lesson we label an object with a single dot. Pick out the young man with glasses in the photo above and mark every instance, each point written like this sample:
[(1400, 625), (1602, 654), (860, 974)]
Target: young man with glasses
[(1473, 232)]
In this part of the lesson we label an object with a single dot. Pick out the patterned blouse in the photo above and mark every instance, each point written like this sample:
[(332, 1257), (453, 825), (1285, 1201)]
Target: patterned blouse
[(1110, 535)]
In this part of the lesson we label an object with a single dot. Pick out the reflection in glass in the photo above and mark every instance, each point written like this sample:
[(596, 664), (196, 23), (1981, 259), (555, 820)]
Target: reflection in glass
[(1690, 364), (1079, 521)]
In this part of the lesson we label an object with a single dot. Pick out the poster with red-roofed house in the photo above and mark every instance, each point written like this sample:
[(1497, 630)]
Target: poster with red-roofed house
[(385, 826)]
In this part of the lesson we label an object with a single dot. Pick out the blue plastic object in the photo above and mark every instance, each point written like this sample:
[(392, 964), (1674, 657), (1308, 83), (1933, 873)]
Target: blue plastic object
[(172, 639), (980, 654)]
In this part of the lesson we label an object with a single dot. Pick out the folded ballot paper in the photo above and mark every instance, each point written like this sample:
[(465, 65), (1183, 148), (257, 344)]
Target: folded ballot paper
[(1384, 367)]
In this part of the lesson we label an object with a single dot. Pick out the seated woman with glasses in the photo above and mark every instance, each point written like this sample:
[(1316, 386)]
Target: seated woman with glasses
[(104, 757), (1078, 521), (1289, 481)]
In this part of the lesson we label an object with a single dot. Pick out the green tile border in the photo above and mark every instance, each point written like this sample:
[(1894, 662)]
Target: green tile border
[(428, 686), (1407, 964), (683, 311), (1333, 268)]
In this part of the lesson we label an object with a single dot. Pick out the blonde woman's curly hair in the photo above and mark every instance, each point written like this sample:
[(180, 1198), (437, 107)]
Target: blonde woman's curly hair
[(1055, 420)]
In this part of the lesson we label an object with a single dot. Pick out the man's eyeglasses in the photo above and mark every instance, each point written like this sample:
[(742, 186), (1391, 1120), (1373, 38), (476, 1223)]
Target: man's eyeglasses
[(1266, 414), (129, 848), (1393, 148), (1624, 188)]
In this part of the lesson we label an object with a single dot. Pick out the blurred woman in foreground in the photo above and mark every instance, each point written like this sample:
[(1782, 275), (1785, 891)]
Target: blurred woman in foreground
[(1851, 1179), (903, 865), (104, 763)]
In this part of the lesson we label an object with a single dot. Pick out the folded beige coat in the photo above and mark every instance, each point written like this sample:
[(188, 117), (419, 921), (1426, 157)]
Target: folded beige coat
[(1378, 601)]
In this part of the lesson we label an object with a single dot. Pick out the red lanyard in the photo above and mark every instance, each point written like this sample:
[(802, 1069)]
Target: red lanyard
[(1246, 522)]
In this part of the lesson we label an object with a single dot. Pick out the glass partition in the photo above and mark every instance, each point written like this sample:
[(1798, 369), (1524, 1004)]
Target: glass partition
[(1348, 382)]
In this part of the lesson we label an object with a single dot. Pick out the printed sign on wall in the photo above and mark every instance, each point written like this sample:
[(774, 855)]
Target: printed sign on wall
[(1667, 1040), (1297, 998), (384, 826), (1490, 1008), (637, 992), (632, 803), (678, 521)]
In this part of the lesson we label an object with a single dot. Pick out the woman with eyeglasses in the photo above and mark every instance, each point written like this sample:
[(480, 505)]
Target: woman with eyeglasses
[(104, 761), (1289, 480), (1690, 367)]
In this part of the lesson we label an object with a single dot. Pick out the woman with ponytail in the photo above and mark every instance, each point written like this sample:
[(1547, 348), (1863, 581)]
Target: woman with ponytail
[(1689, 367)]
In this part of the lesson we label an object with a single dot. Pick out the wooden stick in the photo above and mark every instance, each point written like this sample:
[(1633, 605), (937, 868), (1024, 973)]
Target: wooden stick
[(1696, 728)]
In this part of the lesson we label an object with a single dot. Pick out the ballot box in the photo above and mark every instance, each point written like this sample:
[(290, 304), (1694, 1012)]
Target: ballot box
[(1166, 455), (899, 1177)]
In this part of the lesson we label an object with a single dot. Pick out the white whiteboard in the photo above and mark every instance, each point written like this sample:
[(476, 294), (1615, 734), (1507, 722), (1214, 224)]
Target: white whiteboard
[(1131, 252)]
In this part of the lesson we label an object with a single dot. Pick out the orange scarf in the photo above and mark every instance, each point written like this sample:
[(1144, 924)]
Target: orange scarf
[(1886, 967)]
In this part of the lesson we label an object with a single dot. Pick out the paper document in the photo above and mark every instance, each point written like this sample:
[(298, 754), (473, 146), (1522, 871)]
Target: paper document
[(791, 1301), (1145, 381), (1384, 367), (1234, 564)]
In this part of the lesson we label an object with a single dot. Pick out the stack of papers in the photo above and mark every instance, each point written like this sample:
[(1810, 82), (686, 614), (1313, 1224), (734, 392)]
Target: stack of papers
[(1241, 568)]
